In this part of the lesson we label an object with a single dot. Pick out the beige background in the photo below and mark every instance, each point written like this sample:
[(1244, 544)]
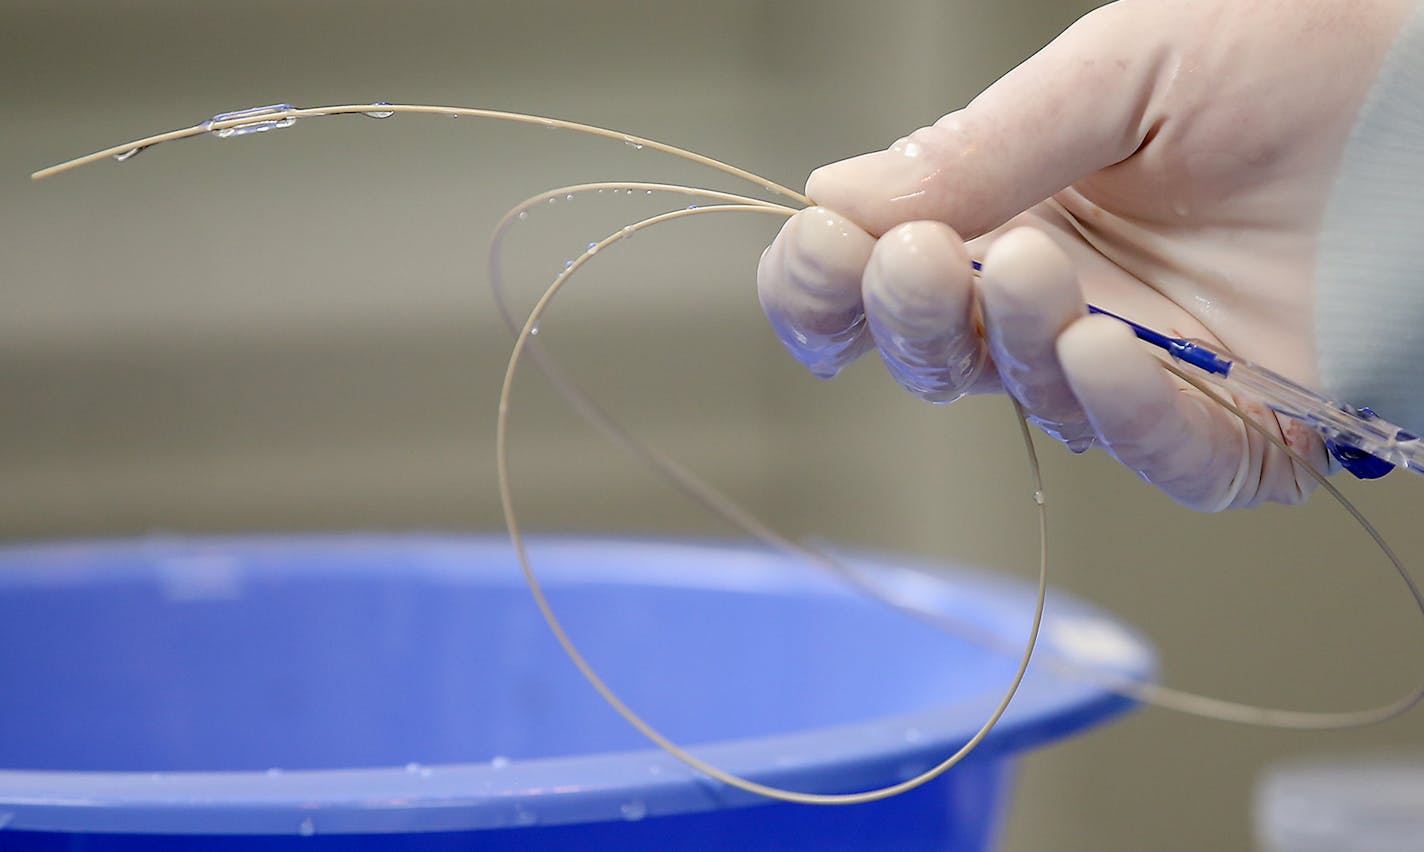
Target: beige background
[(294, 332)]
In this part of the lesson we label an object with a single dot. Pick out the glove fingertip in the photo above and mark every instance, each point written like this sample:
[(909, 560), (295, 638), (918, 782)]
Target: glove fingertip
[(808, 283)]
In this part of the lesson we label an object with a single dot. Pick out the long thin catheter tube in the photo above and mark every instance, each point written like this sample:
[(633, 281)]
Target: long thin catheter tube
[(212, 126), (264, 118)]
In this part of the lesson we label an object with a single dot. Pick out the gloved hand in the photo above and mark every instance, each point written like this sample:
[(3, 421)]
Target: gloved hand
[(1167, 160)]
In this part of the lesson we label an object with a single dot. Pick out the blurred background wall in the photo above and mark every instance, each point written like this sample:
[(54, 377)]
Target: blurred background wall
[(294, 332)]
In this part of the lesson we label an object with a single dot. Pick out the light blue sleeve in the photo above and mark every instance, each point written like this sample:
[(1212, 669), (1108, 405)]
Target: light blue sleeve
[(1369, 300)]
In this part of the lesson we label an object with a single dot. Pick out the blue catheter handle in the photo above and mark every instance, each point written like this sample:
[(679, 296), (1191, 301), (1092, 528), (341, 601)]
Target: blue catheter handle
[(1365, 444)]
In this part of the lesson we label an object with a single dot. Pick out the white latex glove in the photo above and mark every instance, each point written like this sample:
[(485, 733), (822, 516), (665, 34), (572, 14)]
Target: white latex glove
[(1174, 159)]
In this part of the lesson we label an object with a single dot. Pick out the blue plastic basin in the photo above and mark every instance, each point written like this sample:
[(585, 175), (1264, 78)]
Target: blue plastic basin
[(401, 693)]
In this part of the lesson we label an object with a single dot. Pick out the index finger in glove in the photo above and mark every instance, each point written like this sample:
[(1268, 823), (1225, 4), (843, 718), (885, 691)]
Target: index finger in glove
[(809, 283), (920, 306)]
